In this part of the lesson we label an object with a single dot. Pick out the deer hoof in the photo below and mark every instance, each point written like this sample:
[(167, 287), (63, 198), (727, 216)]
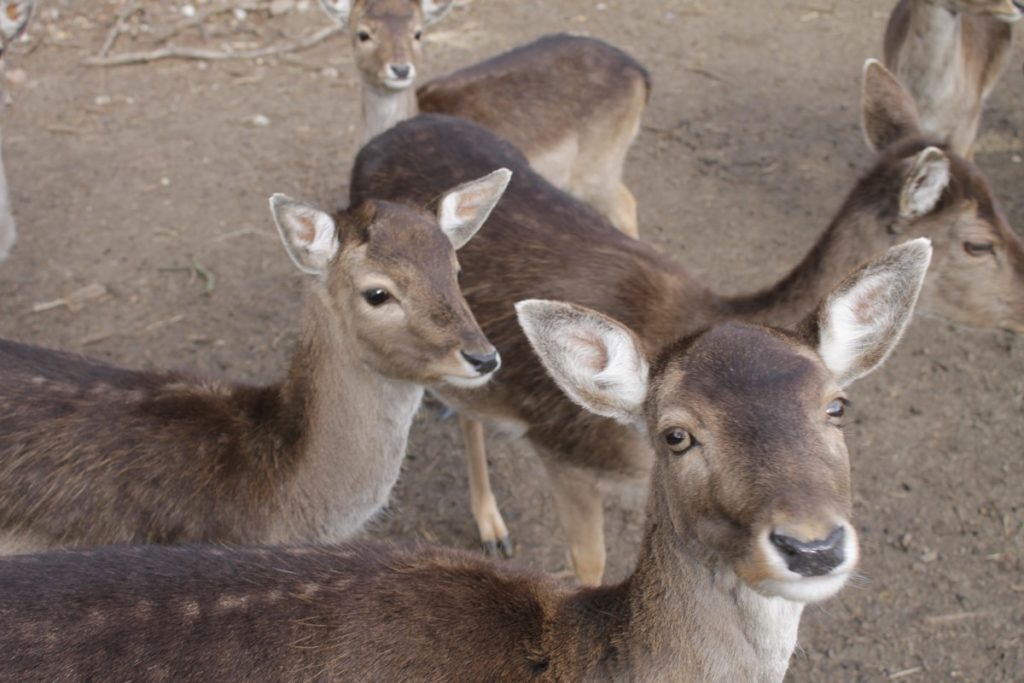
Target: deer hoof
[(502, 547)]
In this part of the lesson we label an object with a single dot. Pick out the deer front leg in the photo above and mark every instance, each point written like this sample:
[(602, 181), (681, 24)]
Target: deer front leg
[(580, 506), (493, 532), (624, 216)]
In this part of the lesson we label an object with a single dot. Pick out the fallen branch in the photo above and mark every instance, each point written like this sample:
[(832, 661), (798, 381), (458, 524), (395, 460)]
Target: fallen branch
[(205, 13), (122, 17), (201, 54)]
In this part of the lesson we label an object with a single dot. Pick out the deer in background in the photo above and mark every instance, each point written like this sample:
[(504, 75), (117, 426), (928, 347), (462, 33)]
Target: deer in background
[(541, 243), (92, 454), (571, 104), (748, 519), (950, 54), (14, 19)]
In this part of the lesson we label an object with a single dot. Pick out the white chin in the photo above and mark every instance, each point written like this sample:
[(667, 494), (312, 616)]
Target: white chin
[(393, 84), (467, 382), (807, 589)]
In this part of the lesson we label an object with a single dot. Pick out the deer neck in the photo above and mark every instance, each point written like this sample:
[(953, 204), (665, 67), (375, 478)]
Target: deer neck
[(687, 616), (357, 424), (383, 108), (854, 236), (931, 59)]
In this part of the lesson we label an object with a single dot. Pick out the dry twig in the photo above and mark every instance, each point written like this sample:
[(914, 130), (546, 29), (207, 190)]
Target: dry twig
[(122, 17), (201, 54)]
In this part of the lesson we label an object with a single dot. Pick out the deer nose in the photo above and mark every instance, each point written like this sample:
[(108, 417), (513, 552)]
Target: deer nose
[(812, 558), (483, 363), (401, 70)]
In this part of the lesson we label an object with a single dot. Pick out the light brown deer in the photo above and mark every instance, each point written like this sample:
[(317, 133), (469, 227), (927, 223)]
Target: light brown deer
[(571, 104), (950, 55), (748, 519), (14, 19), (541, 243), (92, 454)]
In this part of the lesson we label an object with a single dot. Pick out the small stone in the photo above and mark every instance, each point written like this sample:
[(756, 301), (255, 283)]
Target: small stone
[(1016, 158), (329, 72), (240, 14), (16, 76), (189, 10), (165, 181), (905, 540), (260, 120), (102, 100), (929, 556)]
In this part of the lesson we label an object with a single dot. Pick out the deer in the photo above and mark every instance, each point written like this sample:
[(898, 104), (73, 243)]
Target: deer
[(93, 454), (15, 16), (950, 54), (747, 521), (542, 243), (572, 104)]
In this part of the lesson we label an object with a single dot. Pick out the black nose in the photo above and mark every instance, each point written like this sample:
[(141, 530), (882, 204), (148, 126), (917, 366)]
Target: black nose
[(401, 70), (813, 558), (483, 364)]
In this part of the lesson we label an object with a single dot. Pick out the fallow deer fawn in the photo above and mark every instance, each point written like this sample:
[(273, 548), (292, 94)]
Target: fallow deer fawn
[(950, 54), (748, 519), (14, 19), (92, 454), (571, 104), (540, 243)]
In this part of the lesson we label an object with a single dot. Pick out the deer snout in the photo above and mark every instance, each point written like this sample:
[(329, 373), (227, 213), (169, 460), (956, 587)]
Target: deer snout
[(483, 363), (402, 72), (811, 558)]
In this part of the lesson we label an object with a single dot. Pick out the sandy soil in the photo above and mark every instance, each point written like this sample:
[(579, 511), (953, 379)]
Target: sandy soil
[(126, 177)]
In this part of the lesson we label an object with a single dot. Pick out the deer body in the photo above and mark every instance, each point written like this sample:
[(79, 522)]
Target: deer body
[(92, 454), (745, 523), (542, 243), (950, 54), (571, 104)]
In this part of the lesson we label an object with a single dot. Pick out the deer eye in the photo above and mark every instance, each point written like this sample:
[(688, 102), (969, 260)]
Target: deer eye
[(376, 297), (978, 249), (418, 35), (679, 440), (837, 409), (363, 36)]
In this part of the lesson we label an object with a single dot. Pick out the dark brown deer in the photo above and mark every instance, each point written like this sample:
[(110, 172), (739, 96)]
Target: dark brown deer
[(571, 104), (950, 54), (92, 454), (540, 243), (748, 519), (14, 19)]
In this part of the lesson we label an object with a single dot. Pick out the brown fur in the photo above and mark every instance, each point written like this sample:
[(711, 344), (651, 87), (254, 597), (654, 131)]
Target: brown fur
[(92, 454), (950, 54), (572, 104), (380, 613), (541, 243)]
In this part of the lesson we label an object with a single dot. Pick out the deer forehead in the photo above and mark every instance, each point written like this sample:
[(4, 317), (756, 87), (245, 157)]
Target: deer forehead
[(749, 382), (392, 13)]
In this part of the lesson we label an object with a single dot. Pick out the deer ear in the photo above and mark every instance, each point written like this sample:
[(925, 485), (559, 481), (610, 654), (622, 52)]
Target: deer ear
[(595, 360), (861, 321), (435, 9), (464, 209), (339, 10), (925, 183), (309, 235), (14, 17), (888, 111)]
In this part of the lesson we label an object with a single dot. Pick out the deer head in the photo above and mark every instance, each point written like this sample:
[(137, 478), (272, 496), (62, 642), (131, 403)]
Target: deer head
[(387, 274), (746, 421), (977, 277), (1003, 10), (387, 36)]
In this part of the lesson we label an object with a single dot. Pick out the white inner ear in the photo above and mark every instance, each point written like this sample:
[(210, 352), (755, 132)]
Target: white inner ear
[(465, 209), (594, 360), (928, 179), (855, 320), (435, 9), (309, 235), (339, 10)]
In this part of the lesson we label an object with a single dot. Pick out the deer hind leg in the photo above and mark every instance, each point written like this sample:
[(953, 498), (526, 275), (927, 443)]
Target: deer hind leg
[(580, 506), (8, 233), (493, 532)]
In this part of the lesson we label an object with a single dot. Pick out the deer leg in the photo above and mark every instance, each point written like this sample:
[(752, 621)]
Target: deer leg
[(493, 532), (580, 506), (624, 214)]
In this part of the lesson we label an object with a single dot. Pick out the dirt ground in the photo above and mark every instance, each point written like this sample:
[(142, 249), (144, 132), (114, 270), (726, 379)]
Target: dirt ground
[(127, 177)]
